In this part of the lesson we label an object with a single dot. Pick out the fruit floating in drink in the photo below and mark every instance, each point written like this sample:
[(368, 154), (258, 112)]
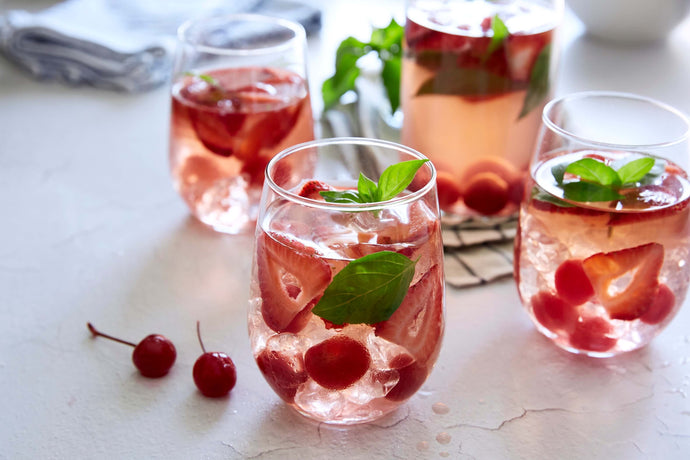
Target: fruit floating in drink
[(475, 78), (226, 126), (347, 294), (601, 258)]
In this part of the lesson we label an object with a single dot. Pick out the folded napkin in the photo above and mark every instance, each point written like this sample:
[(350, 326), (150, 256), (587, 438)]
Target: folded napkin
[(476, 250), (123, 45)]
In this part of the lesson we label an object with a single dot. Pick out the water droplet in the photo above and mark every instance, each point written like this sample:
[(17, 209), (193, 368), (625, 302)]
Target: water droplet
[(422, 445), (440, 408), (444, 454), (443, 438)]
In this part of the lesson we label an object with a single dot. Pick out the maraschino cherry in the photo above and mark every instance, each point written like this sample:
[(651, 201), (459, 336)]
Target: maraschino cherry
[(214, 372), (153, 356)]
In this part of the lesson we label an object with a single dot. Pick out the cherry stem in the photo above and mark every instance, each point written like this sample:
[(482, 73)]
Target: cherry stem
[(97, 333), (198, 334)]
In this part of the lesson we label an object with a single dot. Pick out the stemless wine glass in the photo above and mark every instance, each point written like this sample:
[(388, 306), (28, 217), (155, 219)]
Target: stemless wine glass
[(239, 96), (476, 75), (603, 244), (346, 308)]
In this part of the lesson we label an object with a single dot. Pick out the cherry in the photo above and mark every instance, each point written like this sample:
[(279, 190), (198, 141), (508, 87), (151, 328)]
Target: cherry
[(214, 372), (153, 356)]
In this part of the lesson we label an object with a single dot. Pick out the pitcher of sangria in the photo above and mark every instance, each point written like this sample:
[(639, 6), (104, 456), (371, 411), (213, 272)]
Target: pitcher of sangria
[(475, 77)]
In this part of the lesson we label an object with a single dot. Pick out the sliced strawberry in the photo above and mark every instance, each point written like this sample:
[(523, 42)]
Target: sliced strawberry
[(661, 307), (420, 39), (337, 363), (626, 281), (593, 334), (283, 373), (448, 189), (552, 312), (487, 193), (291, 276), (411, 377), (572, 283), (522, 52), (417, 324), (312, 188)]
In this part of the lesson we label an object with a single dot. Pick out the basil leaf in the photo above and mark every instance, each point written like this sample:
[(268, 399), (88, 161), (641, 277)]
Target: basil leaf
[(635, 170), (346, 71), (538, 88), (387, 43), (345, 196), (595, 171), (540, 195), (368, 290), (388, 39), (390, 73), (467, 82), (367, 188), (500, 33), (589, 192), (558, 172), (397, 177)]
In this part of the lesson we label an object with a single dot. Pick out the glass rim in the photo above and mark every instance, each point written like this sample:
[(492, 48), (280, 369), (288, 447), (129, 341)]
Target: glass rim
[(350, 207), (300, 34), (549, 123)]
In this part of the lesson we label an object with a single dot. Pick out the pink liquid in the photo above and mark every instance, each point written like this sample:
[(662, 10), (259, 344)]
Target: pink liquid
[(378, 366), (224, 133), (604, 278), (475, 112)]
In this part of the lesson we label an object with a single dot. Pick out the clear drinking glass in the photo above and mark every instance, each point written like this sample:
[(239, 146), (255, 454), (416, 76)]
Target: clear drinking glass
[(475, 77), (239, 96), (325, 274), (602, 251)]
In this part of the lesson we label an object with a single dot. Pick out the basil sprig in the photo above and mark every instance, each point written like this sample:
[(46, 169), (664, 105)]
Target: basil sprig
[(597, 181), (393, 180)]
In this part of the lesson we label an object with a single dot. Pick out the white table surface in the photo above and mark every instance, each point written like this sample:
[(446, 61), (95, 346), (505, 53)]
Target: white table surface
[(92, 230)]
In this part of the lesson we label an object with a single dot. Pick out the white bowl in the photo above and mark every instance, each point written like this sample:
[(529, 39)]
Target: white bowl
[(630, 21)]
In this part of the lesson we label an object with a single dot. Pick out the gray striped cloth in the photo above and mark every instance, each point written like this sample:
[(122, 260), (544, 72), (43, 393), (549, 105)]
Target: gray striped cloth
[(476, 251), (122, 45)]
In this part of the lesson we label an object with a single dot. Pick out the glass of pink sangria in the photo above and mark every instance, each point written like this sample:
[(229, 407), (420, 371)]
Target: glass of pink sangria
[(346, 308), (239, 96), (475, 77), (603, 246)]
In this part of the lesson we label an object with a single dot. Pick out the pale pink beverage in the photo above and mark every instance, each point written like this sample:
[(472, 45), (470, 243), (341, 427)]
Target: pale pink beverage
[(342, 371), (226, 125), (475, 77), (601, 278)]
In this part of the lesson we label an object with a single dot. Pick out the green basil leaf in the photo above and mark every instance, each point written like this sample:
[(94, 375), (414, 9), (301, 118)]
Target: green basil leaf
[(635, 170), (388, 38), (368, 290), (367, 188), (500, 33), (390, 74), (467, 82), (540, 195), (538, 88), (346, 71), (558, 172), (344, 197), (397, 177), (589, 192), (589, 169)]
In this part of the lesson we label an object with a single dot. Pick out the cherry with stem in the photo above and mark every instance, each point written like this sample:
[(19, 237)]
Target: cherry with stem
[(214, 372), (153, 356)]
